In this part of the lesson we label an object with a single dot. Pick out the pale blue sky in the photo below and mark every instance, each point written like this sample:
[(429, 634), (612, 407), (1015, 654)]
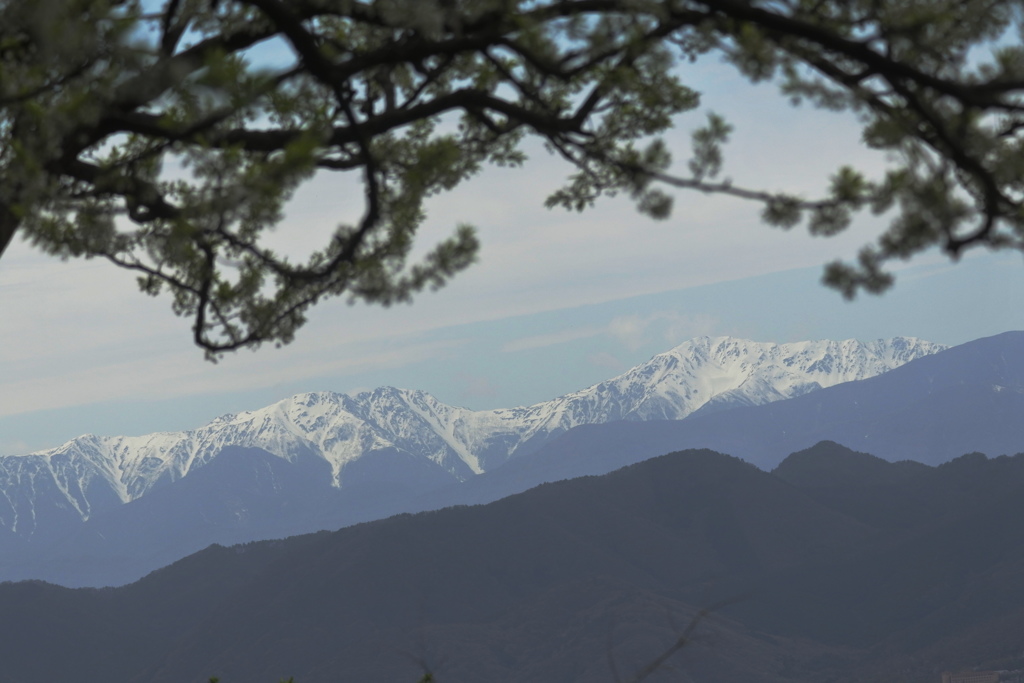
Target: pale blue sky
[(558, 301), (529, 358)]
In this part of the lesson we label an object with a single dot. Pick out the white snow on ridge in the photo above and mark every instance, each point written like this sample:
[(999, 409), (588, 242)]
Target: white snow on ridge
[(708, 371), (674, 384)]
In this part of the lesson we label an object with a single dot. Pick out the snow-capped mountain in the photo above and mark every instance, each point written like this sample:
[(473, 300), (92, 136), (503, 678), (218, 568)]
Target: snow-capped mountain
[(726, 371), (92, 473)]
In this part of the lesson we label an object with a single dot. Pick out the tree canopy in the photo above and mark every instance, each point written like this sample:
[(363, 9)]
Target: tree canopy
[(154, 135)]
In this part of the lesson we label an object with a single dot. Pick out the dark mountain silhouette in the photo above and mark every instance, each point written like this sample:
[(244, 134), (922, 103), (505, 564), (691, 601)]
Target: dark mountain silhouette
[(552, 584)]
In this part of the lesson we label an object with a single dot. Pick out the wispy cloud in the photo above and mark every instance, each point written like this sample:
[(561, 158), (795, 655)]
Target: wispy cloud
[(542, 340), (670, 327), (182, 374), (17, 447), (603, 359), (476, 386)]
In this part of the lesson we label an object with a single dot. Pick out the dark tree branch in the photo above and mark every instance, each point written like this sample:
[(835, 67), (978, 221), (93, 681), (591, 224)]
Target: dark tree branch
[(374, 91), (9, 222)]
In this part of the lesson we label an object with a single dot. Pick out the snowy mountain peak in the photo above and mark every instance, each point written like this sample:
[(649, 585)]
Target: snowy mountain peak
[(715, 372), (705, 373)]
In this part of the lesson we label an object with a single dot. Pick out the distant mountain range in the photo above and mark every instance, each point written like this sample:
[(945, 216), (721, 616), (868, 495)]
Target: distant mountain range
[(90, 473), (107, 510), (965, 399), (836, 566), (131, 503)]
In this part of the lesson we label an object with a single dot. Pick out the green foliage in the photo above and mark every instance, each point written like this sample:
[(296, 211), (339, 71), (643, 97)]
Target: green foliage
[(154, 136)]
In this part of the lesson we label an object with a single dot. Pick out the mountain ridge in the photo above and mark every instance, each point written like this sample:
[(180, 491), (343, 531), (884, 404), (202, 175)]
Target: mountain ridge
[(90, 473), (320, 461)]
